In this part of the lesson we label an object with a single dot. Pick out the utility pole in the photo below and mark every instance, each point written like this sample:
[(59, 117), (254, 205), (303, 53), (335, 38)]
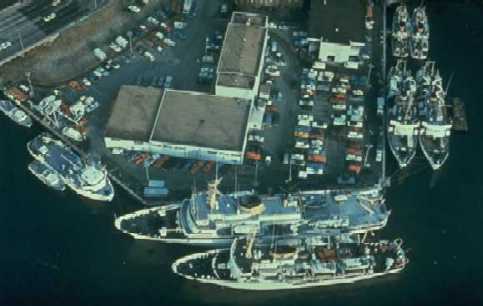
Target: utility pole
[(20, 40), (129, 35), (29, 80)]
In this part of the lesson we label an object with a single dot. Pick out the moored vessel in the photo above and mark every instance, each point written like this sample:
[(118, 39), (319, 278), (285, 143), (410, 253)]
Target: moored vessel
[(401, 28), (87, 178), (14, 113), (419, 42), (435, 121), (214, 218), (403, 126), (293, 262)]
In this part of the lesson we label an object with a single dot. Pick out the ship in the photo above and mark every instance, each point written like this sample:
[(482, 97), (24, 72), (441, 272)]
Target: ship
[(86, 178), (401, 27), (293, 262), (436, 124), (403, 127), (419, 42), (46, 175), (214, 218), (14, 113)]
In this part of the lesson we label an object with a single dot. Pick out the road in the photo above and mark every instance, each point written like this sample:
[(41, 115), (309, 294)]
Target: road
[(23, 23)]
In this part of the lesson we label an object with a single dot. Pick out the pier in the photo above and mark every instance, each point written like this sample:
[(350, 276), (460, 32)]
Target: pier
[(460, 123), (79, 151)]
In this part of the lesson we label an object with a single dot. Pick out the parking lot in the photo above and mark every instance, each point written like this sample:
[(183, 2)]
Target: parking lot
[(27, 22), (302, 145)]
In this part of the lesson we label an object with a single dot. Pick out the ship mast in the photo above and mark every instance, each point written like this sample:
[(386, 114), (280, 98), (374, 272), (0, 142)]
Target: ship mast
[(213, 193)]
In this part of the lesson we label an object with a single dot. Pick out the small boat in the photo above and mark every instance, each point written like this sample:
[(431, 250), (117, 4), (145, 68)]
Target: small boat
[(419, 42), (14, 113), (401, 27)]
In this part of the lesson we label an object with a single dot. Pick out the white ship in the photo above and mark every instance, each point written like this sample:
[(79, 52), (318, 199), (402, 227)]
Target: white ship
[(403, 127), (14, 113), (419, 42), (214, 218), (436, 124), (401, 27), (293, 262), (88, 179)]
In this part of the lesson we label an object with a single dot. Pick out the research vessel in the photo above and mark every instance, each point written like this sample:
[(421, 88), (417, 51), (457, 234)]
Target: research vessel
[(401, 28), (46, 175), (293, 262), (419, 42), (87, 178), (403, 127), (435, 121), (14, 113), (214, 218)]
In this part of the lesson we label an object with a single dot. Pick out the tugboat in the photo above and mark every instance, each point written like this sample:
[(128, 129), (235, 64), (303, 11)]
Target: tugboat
[(293, 262), (403, 127), (435, 122), (14, 113), (419, 42), (88, 179), (215, 218), (401, 26), (46, 175)]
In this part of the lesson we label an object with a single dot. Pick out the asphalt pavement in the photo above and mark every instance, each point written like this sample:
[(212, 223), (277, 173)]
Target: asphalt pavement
[(24, 23)]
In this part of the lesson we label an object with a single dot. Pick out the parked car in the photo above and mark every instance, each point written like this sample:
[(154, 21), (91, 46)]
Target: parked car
[(134, 9)]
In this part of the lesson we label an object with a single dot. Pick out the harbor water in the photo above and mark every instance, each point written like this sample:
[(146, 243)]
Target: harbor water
[(59, 249)]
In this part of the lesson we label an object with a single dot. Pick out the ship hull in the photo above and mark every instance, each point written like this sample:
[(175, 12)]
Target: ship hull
[(435, 160), (403, 158), (267, 285), (197, 239), (59, 186)]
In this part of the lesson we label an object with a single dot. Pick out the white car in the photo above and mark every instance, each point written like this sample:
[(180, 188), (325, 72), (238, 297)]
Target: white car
[(115, 47), (86, 82), (153, 20), (379, 155), (5, 45), (56, 2), (50, 17), (134, 9), (149, 56)]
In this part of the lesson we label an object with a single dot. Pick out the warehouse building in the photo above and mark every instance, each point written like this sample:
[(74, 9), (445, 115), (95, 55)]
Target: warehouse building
[(179, 123), (240, 66)]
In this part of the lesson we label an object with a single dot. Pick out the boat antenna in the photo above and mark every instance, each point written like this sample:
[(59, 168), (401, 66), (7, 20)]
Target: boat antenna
[(449, 83), (236, 181)]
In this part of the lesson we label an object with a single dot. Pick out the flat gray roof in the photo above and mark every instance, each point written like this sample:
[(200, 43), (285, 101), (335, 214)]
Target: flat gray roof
[(199, 119), (242, 50), (133, 113)]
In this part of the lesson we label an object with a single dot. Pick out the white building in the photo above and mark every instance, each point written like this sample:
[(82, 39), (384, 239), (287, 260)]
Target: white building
[(348, 55), (183, 124), (240, 66)]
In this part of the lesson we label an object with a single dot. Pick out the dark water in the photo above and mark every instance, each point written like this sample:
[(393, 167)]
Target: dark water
[(57, 249)]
